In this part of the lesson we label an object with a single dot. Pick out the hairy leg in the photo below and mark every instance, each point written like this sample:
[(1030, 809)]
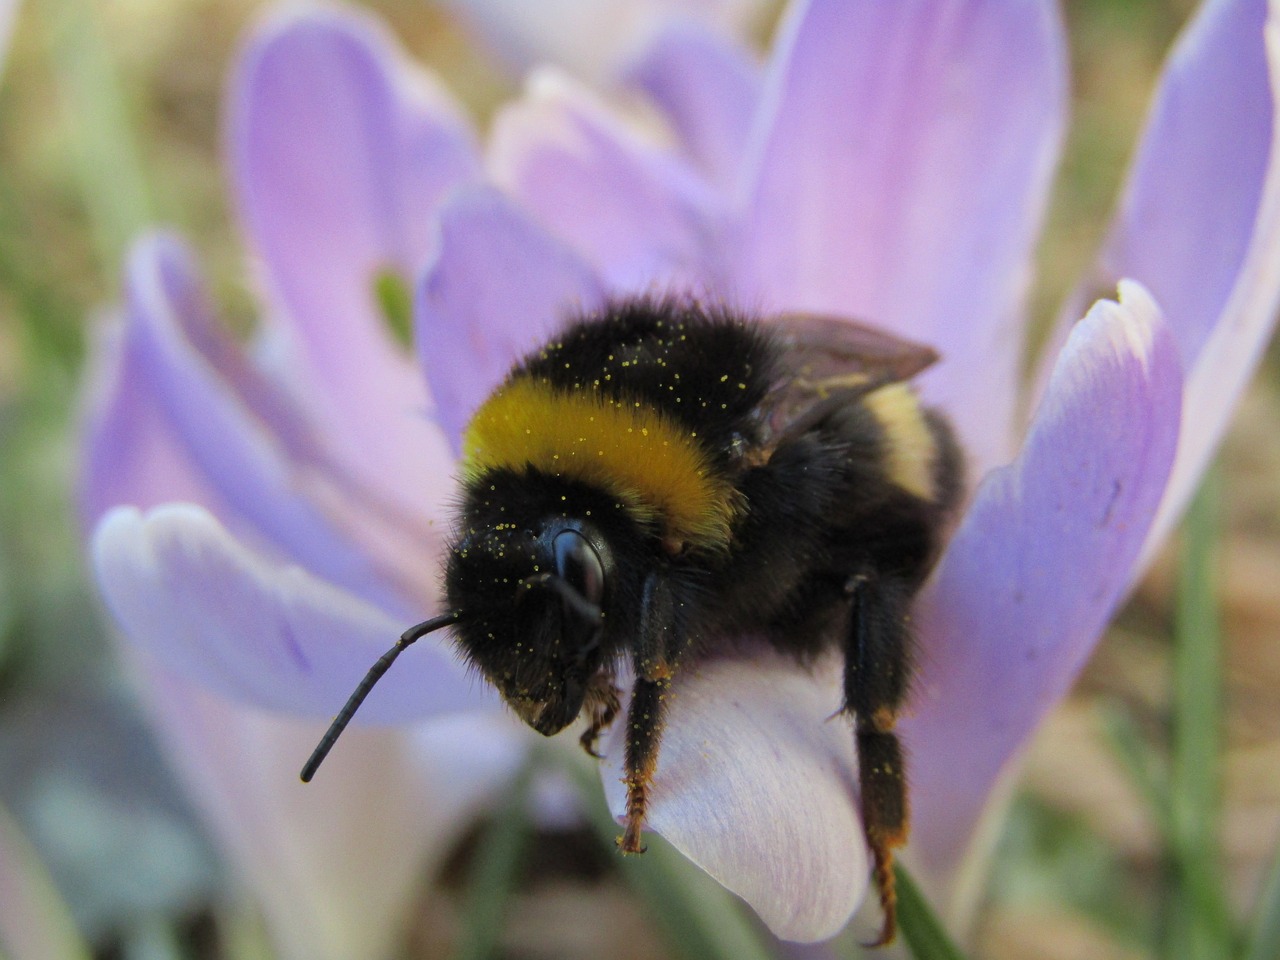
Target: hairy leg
[(877, 671), (657, 647), (602, 705)]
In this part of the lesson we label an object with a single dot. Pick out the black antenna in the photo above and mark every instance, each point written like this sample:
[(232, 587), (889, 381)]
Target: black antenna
[(373, 676)]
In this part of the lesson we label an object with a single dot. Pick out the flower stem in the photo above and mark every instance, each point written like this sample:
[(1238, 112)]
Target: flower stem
[(1196, 922), (1264, 942), (921, 928), (495, 871)]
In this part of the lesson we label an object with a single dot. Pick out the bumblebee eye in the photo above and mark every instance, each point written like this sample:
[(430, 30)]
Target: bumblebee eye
[(578, 565)]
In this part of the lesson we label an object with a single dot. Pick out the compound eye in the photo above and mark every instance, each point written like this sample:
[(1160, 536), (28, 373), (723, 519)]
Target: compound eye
[(578, 565)]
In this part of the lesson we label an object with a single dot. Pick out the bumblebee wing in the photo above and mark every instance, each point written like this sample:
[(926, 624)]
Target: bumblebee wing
[(829, 361)]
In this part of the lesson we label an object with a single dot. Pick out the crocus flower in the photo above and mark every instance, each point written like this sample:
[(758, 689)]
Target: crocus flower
[(889, 162)]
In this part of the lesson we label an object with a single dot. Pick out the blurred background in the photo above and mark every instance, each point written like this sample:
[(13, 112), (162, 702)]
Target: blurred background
[(110, 115)]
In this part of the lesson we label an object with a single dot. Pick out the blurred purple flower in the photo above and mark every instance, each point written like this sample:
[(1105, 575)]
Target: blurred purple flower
[(891, 162)]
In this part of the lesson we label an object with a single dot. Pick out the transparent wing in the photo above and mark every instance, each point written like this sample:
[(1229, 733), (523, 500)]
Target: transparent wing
[(830, 361)]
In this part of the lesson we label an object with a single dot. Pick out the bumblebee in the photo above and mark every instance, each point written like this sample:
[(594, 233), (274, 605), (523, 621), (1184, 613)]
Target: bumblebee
[(665, 477)]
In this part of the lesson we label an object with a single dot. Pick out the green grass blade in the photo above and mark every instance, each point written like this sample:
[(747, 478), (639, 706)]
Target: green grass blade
[(108, 166), (49, 315), (1196, 921), (1264, 939), (701, 919), (920, 926), (1140, 761), (496, 870)]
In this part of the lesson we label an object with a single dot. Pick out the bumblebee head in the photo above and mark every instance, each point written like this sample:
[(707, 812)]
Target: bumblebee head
[(530, 581), (535, 589)]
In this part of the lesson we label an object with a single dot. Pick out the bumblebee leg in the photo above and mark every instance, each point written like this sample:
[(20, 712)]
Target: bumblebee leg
[(644, 731), (603, 705), (654, 656), (877, 669)]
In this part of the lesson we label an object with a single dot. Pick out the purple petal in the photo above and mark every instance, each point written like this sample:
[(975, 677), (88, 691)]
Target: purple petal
[(1188, 213), (207, 608), (756, 787), (498, 287), (341, 153), (129, 451), (1200, 221), (899, 176), (262, 461), (638, 214), (709, 89), (1037, 567), (335, 864)]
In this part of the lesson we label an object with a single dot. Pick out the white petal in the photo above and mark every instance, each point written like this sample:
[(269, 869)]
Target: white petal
[(757, 784)]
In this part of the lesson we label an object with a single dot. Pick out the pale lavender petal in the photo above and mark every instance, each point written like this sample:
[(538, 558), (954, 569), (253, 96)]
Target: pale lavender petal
[(709, 89), (341, 152), (1037, 567), (900, 174), (499, 285), (637, 213), (590, 37), (1188, 214), (209, 609), (129, 452), (261, 461), (132, 451), (757, 784), (336, 864), (1200, 221)]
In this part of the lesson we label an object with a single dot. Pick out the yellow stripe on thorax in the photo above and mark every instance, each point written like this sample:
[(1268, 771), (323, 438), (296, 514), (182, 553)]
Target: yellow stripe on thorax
[(911, 444), (655, 467)]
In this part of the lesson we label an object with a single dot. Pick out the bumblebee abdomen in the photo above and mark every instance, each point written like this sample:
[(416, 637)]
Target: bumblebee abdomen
[(900, 483), (910, 447), (864, 490)]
